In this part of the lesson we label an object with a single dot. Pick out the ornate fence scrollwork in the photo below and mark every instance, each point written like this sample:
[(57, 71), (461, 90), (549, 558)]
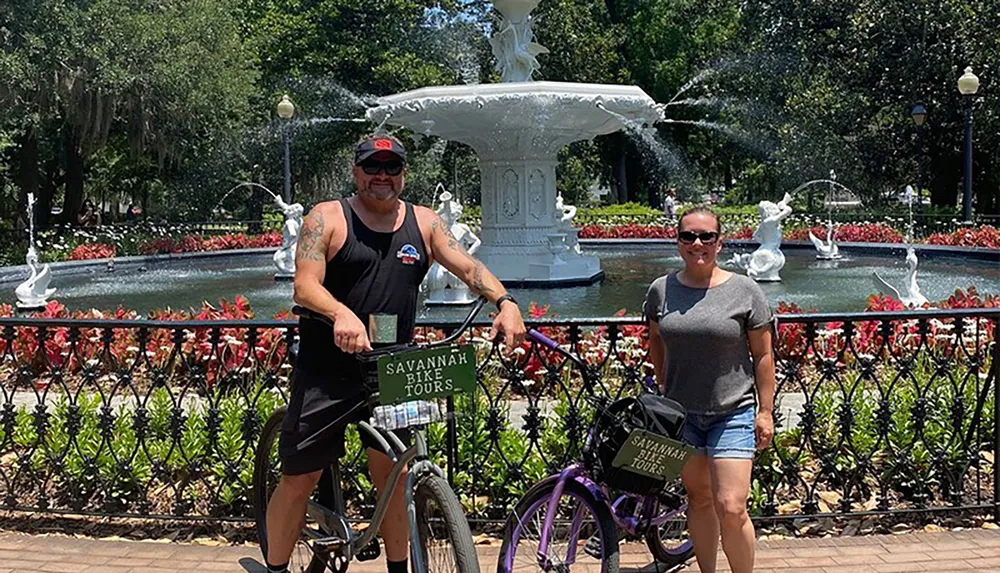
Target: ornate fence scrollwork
[(876, 413)]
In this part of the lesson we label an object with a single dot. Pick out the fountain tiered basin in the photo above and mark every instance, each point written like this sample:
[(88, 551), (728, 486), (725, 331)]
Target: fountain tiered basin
[(517, 129)]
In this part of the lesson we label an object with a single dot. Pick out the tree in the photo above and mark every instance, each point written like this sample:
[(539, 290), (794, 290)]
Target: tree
[(163, 80)]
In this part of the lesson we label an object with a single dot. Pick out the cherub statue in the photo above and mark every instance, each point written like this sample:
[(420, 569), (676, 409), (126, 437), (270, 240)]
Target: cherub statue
[(765, 263), (441, 285), (284, 258)]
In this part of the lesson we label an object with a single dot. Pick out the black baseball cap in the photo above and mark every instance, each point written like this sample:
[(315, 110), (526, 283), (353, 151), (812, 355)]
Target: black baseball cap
[(373, 144)]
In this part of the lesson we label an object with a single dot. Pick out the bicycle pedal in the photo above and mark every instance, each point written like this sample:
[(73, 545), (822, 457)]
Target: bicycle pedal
[(669, 499), (369, 552), (593, 547)]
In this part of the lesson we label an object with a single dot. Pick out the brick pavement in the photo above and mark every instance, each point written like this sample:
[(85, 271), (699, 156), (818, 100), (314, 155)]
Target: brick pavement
[(939, 551)]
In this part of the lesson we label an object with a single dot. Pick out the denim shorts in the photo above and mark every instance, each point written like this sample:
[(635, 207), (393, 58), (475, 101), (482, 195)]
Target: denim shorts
[(722, 436)]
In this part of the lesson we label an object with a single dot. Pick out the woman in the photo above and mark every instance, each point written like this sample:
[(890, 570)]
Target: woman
[(710, 344)]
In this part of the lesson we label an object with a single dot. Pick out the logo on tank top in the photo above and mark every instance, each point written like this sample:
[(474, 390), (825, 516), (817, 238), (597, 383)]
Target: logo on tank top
[(408, 254)]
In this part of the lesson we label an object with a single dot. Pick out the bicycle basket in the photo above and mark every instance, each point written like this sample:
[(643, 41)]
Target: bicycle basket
[(611, 429)]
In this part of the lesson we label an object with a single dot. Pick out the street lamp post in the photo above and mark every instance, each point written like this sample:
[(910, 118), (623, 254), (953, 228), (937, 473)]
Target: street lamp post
[(968, 85), (919, 115), (285, 111)]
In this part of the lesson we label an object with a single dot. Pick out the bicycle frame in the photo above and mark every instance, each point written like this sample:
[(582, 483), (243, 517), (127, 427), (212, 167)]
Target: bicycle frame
[(401, 457), (416, 458), (633, 522)]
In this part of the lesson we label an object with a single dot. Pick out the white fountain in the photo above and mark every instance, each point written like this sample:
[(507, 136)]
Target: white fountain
[(442, 287), (910, 296), (517, 128), (33, 294), (765, 264), (284, 257)]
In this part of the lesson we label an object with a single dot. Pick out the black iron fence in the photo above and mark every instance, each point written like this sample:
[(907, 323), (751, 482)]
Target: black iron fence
[(876, 413)]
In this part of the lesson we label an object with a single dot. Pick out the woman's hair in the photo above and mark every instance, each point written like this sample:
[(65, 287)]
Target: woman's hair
[(704, 211)]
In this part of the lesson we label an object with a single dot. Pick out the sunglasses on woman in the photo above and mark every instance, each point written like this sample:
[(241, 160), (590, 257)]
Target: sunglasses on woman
[(706, 237), (373, 167)]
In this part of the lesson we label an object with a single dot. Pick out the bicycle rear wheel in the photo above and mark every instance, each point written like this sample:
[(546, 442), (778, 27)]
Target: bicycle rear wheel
[(593, 544), (669, 542), (266, 474), (445, 541)]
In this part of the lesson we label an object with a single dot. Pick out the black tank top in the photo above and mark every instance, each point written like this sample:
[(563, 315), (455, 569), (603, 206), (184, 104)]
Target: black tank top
[(373, 272)]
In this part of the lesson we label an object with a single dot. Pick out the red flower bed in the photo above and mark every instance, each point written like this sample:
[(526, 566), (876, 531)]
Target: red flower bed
[(851, 233), (987, 237), (204, 351), (746, 233), (195, 243), (92, 251), (631, 231), (905, 336)]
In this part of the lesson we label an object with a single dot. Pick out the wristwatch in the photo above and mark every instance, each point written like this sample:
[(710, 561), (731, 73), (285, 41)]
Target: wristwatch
[(503, 298)]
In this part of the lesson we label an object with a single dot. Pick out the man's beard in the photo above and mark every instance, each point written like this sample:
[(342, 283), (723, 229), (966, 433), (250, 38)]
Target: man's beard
[(384, 193)]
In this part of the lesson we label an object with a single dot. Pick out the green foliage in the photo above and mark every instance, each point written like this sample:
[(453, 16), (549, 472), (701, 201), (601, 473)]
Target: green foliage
[(630, 208)]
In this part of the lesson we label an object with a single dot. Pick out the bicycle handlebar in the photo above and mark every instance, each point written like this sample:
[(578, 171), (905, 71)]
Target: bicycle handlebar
[(553, 345), (303, 312)]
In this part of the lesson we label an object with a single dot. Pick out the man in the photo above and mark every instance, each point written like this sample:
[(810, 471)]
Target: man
[(358, 260), (670, 204)]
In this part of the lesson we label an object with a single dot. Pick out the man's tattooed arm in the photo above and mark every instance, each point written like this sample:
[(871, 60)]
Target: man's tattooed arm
[(479, 279), (310, 245), (478, 286)]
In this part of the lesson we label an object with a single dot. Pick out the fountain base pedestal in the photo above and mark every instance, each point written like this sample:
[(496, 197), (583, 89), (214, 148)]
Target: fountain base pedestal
[(450, 297), (543, 271)]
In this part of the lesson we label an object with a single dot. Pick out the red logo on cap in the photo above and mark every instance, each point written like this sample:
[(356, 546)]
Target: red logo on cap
[(383, 144)]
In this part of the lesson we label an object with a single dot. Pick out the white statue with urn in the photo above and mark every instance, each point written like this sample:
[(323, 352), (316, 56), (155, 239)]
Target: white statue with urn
[(284, 257), (441, 286), (33, 294), (570, 234), (765, 264)]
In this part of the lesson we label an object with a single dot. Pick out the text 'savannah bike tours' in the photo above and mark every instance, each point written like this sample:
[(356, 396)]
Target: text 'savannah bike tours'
[(626, 483), (403, 386)]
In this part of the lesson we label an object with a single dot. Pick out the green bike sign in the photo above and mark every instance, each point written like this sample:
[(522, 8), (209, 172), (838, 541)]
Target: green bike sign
[(652, 455), (426, 374)]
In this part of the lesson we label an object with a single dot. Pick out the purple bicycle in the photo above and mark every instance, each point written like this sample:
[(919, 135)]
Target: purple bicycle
[(580, 515)]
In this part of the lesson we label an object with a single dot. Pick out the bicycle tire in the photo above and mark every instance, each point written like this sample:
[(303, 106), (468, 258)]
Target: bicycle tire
[(432, 488), (261, 492), (668, 557), (541, 493)]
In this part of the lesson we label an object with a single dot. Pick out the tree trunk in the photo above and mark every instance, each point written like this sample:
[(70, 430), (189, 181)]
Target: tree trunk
[(50, 182), (727, 171), (622, 176), (27, 174), (945, 182), (74, 175)]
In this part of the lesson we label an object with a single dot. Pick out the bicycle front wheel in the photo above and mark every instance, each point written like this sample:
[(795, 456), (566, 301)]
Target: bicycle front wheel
[(583, 533), (445, 541)]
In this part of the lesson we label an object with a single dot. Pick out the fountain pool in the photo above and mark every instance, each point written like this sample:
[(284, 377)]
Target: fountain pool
[(830, 286)]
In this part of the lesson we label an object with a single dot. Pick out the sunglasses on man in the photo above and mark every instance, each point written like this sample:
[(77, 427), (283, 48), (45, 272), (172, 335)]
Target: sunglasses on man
[(391, 168), (706, 238)]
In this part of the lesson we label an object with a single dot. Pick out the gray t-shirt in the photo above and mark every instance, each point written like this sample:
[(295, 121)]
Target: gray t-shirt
[(709, 369)]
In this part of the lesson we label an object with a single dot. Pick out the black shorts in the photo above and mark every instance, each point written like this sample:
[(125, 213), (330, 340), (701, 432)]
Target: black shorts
[(315, 403)]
